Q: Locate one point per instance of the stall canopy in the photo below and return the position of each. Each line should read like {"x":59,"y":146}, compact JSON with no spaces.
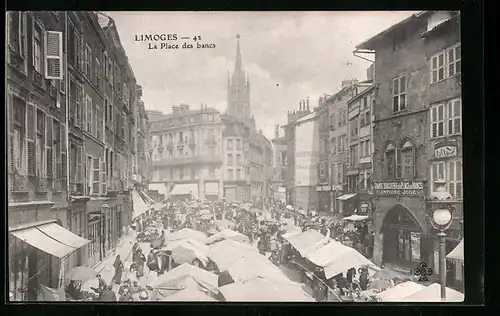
{"x":147,"y":198}
{"x":291,"y":231}
{"x":160,"y":187}
{"x":52,"y":239}
{"x":190,"y":295}
{"x":346,"y":197}
{"x":355,"y":218}
{"x":187,"y":233}
{"x":227,"y":252}
{"x":263,"y":290}
{"x":432,"y":293}
{"x":307,"y":241}
{"x":228,"y":234}
{"x":202,"y":277}
{"x":246,"y":269}
{"x":457,"y":254}
{"x":139,"y":206}
{"x":185,"y":189}
{"x":400,"y":291}
{"x":337,"y":258}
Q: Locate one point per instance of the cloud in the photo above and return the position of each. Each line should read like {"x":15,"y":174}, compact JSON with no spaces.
{"x":288,"y":56}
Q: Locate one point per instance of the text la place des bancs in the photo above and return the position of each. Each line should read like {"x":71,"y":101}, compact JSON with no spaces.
{"x":165,"y":41}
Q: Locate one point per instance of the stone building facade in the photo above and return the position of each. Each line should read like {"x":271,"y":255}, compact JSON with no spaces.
{"x":56,"y":106}
{"x":403,"y":138}
{"x":186,"y":153}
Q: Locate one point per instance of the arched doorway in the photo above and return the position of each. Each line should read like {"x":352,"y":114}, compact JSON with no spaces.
{"x":402,"y":235}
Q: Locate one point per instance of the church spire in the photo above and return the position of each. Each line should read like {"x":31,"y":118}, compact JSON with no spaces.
{"x":239,"y":74}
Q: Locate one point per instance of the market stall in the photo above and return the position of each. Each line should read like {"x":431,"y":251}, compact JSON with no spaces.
{"x":336,"y":258}
{"x":263,"y":290}
{"x":399,"y":292}
{"x":227,"y":252}
{"x":249,"y":268}
{"x":187,"y":233}
{"x":307,"y":241}
{"x":227,"y":234}
{"x":432,"y":293}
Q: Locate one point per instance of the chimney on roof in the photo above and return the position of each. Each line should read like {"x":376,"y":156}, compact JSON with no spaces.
{"x":175,"y":109}
{"x":307,"y":104}
{"x":276,"y":131}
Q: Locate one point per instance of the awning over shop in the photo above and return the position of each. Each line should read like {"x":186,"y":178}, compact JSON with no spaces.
{"x":147,"y":198}
{"x":457,"y":254}
{"x":212,"y":188}
{"x":160,"y":187}
{"x":63,"y":235}
{"x":355,"y":218}
{"x":185,"y":189}
{"x":346,"y":197}
{"x":59,"y":245}
{"x":139,"y":205}
{"x":337,"y":258}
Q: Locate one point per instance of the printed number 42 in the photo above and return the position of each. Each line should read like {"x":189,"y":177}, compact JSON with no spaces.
{"x":197,"y":38}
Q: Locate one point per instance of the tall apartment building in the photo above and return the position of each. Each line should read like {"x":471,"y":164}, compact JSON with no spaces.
{"x":56,"y":114}
{"x":247,"y":153}
{"x":141,"y":161}
{"x":187,"y":153}
{"x":417,"y":135}
{"x":280,"y":163}
{"x":360,"y":165}
{"x":336,"y":146}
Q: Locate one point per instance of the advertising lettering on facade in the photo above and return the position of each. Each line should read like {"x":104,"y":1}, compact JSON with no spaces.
{"x":306,"y":154}
{"x":403,"y":188}
{"x":445,"y":149}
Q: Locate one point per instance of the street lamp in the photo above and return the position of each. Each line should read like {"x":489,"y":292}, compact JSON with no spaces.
{"x":442,"y":209}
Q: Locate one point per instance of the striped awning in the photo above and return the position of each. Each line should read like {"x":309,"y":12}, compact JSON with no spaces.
{"x":457,"y":254}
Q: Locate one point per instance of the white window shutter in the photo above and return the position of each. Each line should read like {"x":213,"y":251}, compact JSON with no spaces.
{"x":53,"y":55}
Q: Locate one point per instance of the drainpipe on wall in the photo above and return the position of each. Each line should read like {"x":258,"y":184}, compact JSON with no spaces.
{"x":66,"y":97}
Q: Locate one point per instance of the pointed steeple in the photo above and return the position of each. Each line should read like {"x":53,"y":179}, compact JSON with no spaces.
{"x":238,"y":74}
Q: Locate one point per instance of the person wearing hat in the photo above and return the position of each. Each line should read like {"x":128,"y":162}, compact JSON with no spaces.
{"x":108,"y":295}
{"x":126,"y":296}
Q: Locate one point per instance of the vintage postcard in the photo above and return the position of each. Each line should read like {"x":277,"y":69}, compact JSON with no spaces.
{"x":235,"y":156}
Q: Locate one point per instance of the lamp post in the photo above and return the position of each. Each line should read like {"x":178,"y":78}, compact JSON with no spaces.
{"x":442,"y":209}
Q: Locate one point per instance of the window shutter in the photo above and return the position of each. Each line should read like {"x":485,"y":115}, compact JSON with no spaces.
{"x":103,"y":176}
{"x":78,"y":173}
{"x":53,"y":55}
{"x":30,"y":138}
{"x":48,"y":145}
{"x":11,"y":152}
{"x":85,"y":114}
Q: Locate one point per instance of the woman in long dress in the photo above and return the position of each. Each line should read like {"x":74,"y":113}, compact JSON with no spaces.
{"x":118,"y":265}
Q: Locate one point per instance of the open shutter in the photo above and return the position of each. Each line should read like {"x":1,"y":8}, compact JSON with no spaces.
{"x":49,"y":144}
{"x":53,"y":55}
{"x":30,"y":139}
{"x":103,"y":176}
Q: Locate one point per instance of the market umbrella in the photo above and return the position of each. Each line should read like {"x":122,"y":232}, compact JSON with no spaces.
{"x":182,"y":254}
{"x":81,"y":273}
{"x":379,"y":284}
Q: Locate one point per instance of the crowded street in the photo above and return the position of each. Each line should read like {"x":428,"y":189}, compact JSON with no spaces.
{"x":216,"y":163}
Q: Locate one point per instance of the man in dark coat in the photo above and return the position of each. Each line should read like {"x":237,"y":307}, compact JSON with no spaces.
{"x":108,"y":295}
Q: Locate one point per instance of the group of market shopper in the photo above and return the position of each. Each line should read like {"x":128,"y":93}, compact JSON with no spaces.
{"x":267,"y":233}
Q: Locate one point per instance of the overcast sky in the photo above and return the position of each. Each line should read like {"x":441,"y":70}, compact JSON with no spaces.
{"x":288,"y":55}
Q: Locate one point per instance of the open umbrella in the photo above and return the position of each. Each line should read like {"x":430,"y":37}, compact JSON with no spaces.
{"x":182,"y":255}
{"x":81,"y":273}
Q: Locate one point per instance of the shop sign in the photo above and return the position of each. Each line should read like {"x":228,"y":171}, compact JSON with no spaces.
{"x":336,"y":187}
{"x":322,"y":188}
{"x":445,"y":149}
{"x":403,"y":188}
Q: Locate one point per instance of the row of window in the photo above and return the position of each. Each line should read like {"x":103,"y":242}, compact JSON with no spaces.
{"x":237,"y":174}
{"x":180,"y":174}
{"x":159,"y":154}
{"x":176,"y":121}
{"x":443,"y":65}
{"x":237,"y":144}
{"x":361,"y":150}
{"x":237,"y":162}
{"x":338,"y":144}
{"x":342,"y":119}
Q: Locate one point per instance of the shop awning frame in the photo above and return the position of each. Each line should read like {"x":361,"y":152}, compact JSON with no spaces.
{"x":346,"y":197}
{"x":52,"y":239}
